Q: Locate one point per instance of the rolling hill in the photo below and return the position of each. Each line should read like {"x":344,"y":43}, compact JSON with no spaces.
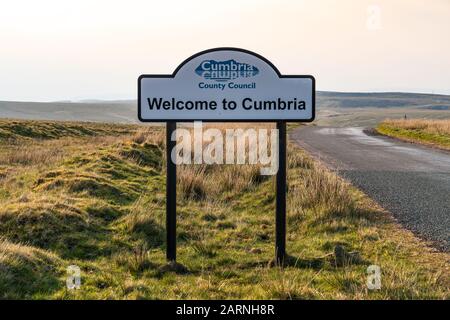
{"x":334,"y":108}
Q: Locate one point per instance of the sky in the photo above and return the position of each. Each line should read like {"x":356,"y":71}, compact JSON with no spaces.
{"x":96,"y":49}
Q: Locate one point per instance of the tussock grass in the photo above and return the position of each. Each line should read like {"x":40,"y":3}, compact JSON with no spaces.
{"x":44,"y":152}
{"x":25,"y":156}
{"x":102,"y":207}
{"x":199,"y":181}
{"x":41,"y":222}
{"x":441,"y":127}
{"x":31,"y":129}
{"x":431,"y":132}
{"x":26,"y":271}
{"x":145,"y":221}
{"x":323,"y":194}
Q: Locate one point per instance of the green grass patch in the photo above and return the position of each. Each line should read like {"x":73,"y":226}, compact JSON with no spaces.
{"x":103,"y":209}
{"x":418,"y":135}
{"x":27,"y":272}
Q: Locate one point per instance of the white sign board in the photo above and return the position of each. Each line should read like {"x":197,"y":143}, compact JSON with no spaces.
{"x":226,"y":84}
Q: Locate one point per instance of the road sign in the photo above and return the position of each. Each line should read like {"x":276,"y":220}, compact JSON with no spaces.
{"x":226,"y":84}
{"x":220,"y":85}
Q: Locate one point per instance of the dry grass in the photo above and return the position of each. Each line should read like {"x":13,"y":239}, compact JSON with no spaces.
{"x":198,"y":181}
{"x":26,"y":269}
{"x":26,"y":155}
{"x":440,"y":127}
{"x":13,"y":252}
{"x":431,"y":132}
{"x":322,"y":192}
{"x":46,"y":152}
{"x":105,"y":212}
{"x":149,"y":135}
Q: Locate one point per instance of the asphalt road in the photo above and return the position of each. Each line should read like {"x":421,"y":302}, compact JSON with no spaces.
{"x":411,"y":181}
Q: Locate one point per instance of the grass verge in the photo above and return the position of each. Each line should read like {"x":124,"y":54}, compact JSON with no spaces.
{"x":101,"y":207}
{"x":429,"y":132}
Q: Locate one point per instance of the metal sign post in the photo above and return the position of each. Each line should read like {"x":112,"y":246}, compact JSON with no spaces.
{"x":280,"y":215}
{"x":226,"y":85}
{"x":171,"y":195}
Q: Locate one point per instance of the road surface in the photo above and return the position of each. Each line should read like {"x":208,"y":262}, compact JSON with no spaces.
{"x":411,"y":181}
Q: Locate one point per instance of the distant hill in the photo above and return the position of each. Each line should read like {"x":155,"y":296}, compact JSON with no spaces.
{"x":124,"y":111}
{"x":382,"y":100}
{"x":98,"y":111}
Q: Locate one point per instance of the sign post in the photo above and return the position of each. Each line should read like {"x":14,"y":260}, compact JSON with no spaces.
{"x":280,"y":214}
{"x":226,"y":85}
{"x":171,"y":195}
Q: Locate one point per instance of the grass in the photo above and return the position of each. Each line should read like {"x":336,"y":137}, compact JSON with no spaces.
{"x":30,"y":129}
{"x":430,"y":132}
{"x":100,"y":205}
{"x":26,"y":271}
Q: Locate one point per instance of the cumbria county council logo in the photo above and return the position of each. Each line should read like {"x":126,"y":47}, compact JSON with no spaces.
{"x":223,"y":71}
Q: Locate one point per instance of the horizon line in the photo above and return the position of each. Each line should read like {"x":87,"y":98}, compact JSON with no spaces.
{"x":97,"y":100}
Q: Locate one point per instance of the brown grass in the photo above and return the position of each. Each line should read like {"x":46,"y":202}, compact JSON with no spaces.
{"x":434,"y":133}
{"x":30,"y":143}
{"x":441,"y":127}
{"x":225,"y":224}
{"x":45,"y":152}
{"x":14,"y":251}
{"x":323,"y":192}
{"x":149,"y":135}
{"x":197,"y":181}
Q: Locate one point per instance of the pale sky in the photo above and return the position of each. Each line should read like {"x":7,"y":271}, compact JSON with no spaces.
{"x":95,"y":49}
